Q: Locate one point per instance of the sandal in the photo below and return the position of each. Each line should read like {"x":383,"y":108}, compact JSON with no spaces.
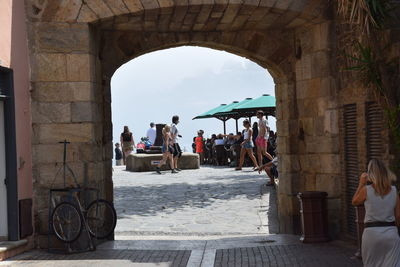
{"x":238,"y":169}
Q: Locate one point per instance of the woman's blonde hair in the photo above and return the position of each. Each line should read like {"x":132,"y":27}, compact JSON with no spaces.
{"x":380,"y":176}
{"x":166,"y":129}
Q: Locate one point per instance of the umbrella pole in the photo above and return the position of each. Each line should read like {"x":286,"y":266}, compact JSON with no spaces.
{"x":237,"y":128}
{"x":224,"y":126}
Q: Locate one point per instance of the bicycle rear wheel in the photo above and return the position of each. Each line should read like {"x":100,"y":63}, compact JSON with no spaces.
{"x":66,"y":220}
{"x":101,"y":218}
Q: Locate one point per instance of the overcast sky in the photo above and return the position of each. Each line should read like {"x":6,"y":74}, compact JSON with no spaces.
{"x":185,"y":81}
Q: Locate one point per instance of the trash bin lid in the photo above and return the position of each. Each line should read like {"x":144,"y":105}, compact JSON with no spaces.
{"x":312,"y":194}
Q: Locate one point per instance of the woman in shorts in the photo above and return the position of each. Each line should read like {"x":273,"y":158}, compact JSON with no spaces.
{"x":247,"y":146}
{"x":167,"y":150}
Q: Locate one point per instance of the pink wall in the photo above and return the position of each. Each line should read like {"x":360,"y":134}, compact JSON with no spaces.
{"x":14,"y":55}
{"x":20,"y":66}
{"x":5,"y":33}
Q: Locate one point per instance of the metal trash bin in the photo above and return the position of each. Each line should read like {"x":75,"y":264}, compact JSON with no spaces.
{"x":314,"y":219}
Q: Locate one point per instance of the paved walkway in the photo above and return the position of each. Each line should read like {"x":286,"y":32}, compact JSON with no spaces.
{"x":208,"y":201}
{"x":207,"y":217}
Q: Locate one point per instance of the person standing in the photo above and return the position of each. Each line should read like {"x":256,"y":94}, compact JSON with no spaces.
{"x":262,"y":138}
{"x":175,"y":135}
{"x":127,"y":143}
{"x":247,"y":146}
{"x":118,"y":155}
{"x":380,"y":245}
{"x":199,"y":141}
{"x":151,"y":133}
{"x":167,"y":150}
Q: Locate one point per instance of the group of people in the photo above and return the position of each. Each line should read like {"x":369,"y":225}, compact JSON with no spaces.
{"x":170,"y":146}
{"x":250,"y":140}
{"x":171,"y":150}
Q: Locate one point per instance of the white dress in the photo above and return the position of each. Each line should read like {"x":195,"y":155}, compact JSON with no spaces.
{"x":380,"y":245}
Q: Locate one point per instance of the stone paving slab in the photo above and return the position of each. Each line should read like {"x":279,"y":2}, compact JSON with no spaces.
{"x":114,"y":257}
{"x":306,"y":255}
{"x":207,"y":201}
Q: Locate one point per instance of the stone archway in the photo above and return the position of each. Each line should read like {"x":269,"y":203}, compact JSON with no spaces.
{"x":76,"y":46}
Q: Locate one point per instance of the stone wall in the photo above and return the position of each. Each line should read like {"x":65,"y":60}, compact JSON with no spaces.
{"x":76,"y":47}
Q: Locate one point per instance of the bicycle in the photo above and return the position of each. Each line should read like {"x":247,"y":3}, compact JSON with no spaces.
{"x":69,"y":217}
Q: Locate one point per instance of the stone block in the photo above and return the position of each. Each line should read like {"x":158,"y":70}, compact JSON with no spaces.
{"x":321,"y":36}
{"x":289,"y":162}
{"x":308,"y":126}
{"x":320,"y":64}
{"x":309,"y":181}
{"x":51,"y":112}
{"x":80,"y":68}
{"x":331,"y":122}
{"x":51,"y":153}
{"x":48,"y":67}
{"x":74,"y":132}
{"x":62,"y":91}
{"x":84,"y":112}
{"x":63,"y":37}
{"x":322,"y":144}
{"x":90,"y":152}
{"x":67,"y":11}
{"x":282,"y":127}
{"x":86,"y":15}
{"x":329,"y":183}
{"x":143,"y":162}
{"x":330,"y":164}
{"x":135,"y":6}
{"x":100,"y":8}
{"x":117,"y":6}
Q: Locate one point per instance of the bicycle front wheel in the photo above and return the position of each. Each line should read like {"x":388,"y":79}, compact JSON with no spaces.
{"x":101,"y":218}
{"x":66,"y":221}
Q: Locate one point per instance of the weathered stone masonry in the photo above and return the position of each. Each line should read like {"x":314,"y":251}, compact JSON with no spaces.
{"x":76,"y":46}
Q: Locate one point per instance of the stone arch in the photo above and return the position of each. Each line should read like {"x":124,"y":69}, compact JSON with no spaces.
{"x":76,"y":46}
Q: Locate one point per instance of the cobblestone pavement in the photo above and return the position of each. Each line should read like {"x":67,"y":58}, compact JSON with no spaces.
{"x":210,"y":200}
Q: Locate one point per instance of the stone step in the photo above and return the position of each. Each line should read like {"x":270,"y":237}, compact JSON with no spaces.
{"x":11,"y":248}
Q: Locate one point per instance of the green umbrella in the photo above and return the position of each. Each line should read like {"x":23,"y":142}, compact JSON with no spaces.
{"x":227,"y":111}
{"x":210,"y":113}
{"x":265,"y":102}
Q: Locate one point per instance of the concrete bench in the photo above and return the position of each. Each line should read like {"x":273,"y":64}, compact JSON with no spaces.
{"x":148,"y":162}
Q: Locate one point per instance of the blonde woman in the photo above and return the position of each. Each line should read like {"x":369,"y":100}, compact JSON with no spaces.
{"x":380,"y":239}
{"x":167,"y":150}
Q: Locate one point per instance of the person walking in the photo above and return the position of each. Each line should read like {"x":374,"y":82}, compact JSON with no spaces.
{"x":199,"y":141}
{"x":175,"y":135}
{"x":380,"y":240}
{"x":118,"y":155}
{"x":167,"y":150}
{"x":127,"y":143}
{"x":262,"y":138}
{"x":151,"y":133}
{"x":247,"y":146}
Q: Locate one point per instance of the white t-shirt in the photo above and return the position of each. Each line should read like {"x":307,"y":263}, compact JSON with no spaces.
{"x":175,"y":132}
{"x":264,"y":123}
{"x":151,"y":134}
